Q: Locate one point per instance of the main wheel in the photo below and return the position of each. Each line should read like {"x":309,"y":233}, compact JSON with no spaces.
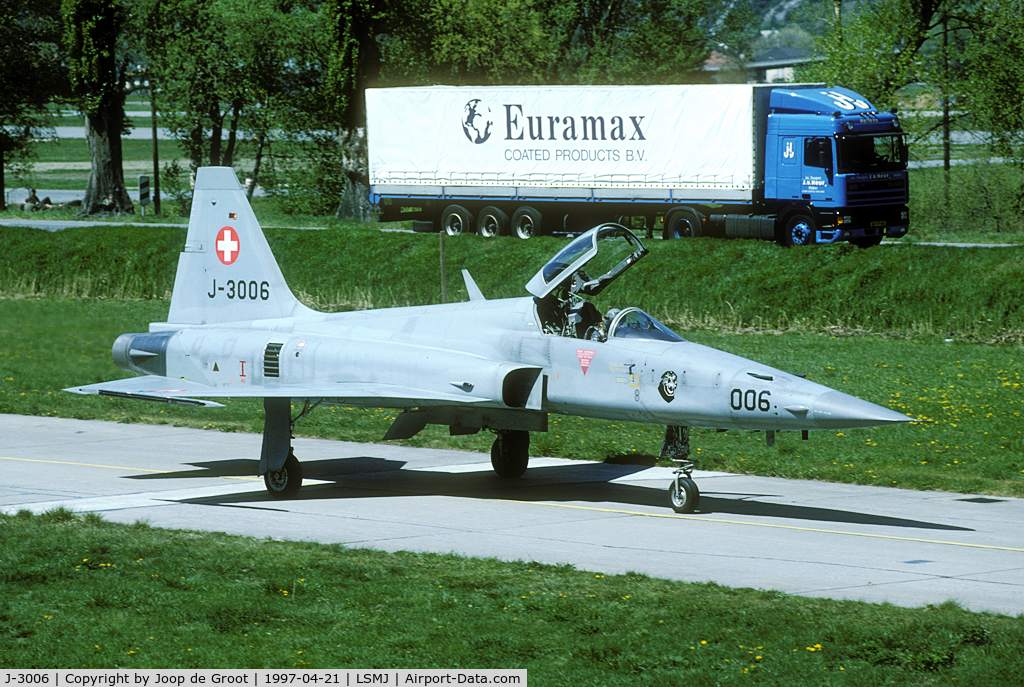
{"x":681,"y":223}
{"x":491,"y":222}
{"x":683,"y":495}
{"x":526,"y":222}
{"x":510,"y":453}
{"x":286,"y":482}
{"x":456,"y":220}
{"x":799,"y":230}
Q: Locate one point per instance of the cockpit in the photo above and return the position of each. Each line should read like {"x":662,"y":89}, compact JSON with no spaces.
{"x":634,"y":323}
{"x":562,"y":287}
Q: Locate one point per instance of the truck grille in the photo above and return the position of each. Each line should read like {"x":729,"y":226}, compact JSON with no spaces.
{"x":876,"y":191}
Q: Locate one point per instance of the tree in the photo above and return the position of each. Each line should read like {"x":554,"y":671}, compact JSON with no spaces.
{"x":648,"y":41}
{"x":193,"y":64}
{"x":98,"y":58}
{"x":874,"y":51}
{"x":486,"y":42}
{"x":561,"y":41}
{"x":30,"y":77}
{"x":994,"y":92}
{"x":969,"y":54}
{"x":235,"y":70}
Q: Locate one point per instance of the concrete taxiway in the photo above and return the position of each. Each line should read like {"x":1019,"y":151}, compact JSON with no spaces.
{"x":805,"y":538}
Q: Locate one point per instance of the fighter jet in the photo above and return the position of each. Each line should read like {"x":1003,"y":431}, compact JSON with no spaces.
{"x":235,"y":329}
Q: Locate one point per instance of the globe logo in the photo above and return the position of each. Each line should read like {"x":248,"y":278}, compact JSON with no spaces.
{"x":476,"y":121}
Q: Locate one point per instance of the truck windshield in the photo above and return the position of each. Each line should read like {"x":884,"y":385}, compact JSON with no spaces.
{"x":872,"y":153}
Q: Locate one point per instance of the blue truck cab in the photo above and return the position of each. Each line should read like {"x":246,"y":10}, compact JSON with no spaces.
{"x":835,"y":168}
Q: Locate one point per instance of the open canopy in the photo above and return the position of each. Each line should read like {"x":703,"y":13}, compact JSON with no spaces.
{"x":607,"y":250}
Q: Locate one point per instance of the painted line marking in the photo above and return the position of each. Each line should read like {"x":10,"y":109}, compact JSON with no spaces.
{"x":84,"y":465}
{"x":679,"y":516}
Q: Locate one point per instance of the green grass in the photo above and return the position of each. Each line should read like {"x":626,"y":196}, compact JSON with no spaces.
{"x":905,"y":290}
{"x":978,"y":203}
{"x":85,"y":593}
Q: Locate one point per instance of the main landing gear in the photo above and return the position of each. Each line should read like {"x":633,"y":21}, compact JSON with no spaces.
{"x":683,"y":495}
{"x":510,"y":453}
{"x":286,"y":482}
{"x":510,"y":456}
{"x":283,"y":478}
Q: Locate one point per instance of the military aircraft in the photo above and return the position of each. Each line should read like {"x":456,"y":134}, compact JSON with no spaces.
{"x":234,"y":329}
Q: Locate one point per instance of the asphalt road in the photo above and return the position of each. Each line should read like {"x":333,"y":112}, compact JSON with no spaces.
{"x":804,"y":538}
{"x":59,"y":225}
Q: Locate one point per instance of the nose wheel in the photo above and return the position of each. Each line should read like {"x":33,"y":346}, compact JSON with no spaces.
{"x":683,"y":494}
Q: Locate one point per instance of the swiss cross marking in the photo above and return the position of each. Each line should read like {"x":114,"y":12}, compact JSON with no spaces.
{"x":227,"y":246}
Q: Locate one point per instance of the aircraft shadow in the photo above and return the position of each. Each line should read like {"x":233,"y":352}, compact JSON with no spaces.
{"x":366,"y":477}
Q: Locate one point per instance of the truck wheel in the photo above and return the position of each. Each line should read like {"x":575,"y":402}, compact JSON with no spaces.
{"x":682,"y":223}
{"x":491,"y":222}
{"x":456,"y":220}
{"x":867,"y":241}
{"x":526,"y":222}
{"x":799,"y":230}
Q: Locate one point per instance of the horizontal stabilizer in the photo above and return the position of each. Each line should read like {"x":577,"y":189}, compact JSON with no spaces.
{"x":173,"y":400}
{"x":180,"y":392}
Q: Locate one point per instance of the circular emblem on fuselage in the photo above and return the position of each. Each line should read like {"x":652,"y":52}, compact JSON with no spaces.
{"x":667,"y":387}
{"x":227,"y":245}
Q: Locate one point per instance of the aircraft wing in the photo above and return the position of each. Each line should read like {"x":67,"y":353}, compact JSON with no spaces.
{"x":181,"y":392}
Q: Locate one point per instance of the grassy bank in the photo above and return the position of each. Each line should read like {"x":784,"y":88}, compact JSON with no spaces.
{"x":976,"y":202}
{"x":84,"y":593}
{"x":904,"y":289}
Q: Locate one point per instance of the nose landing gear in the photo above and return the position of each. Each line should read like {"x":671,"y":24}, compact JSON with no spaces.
{"x":683,"y":495}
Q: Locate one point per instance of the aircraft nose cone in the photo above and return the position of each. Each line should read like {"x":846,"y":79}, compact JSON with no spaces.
{"x":836,"y":410}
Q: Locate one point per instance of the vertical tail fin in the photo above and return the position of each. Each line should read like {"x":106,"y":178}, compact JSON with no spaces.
{"x":227,"y":272}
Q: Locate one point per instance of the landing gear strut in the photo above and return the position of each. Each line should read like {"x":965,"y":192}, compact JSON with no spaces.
{"x":683,"y":495}
{"x":281,"y":470}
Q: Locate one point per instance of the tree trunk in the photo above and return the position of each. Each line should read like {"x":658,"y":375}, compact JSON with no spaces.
{"x":256,"y":168}
{"x":355,"y":197}
{"x":195,"y":146}
{"x":105,"y":191}
{"x":3,"y":183}
{"x":355,"y":202}
{"x":216,"y":137}
{"x":229,"y":155}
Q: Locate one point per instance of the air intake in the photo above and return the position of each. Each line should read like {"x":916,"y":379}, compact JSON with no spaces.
{"x":272,"y":360}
